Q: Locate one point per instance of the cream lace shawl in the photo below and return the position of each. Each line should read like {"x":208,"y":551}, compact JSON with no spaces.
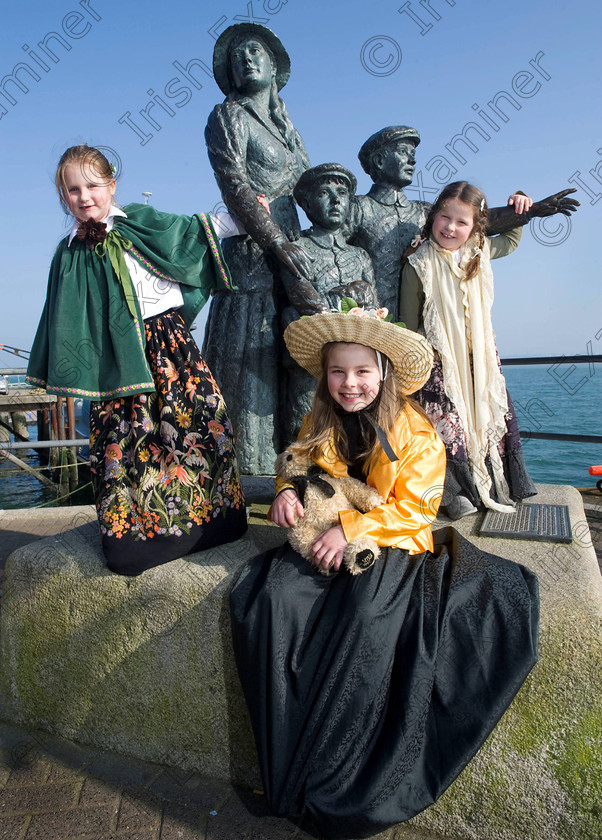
{"x":457,"y":322}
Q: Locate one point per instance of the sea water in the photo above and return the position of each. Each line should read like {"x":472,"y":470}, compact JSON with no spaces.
{"x":557,"y":398}
{"x":19,"y":489}
{"x":562,"y":398}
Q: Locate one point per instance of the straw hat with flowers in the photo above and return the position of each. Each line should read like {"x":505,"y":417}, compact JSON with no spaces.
{"x":410,"y":353}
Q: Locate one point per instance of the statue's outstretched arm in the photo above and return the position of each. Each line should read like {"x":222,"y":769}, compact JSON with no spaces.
{"x":503,"y":219}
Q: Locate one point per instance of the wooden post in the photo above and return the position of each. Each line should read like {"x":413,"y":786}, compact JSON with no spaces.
{"x":43,"y":419}
{"x":73,"y":470}
{"x":20,"y":425}
{"x":71,"y":419}
{"x":5,"y":427}
{"x":63,"y":471}
{"x":60,"y":417}
{"x":54,"y":424}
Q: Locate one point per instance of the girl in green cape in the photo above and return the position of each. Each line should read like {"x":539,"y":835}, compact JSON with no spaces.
{"x":124,"y":287}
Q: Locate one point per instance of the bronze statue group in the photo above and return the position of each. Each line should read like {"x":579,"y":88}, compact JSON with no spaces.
{"x":368,"y":693}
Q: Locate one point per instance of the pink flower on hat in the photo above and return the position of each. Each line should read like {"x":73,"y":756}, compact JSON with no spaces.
{"x":369,"y":313}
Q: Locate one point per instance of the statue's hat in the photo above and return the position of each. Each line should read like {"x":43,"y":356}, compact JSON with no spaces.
{"x":235,"y":33}
{"x":390,"y":134}
{"x":313,"y":176}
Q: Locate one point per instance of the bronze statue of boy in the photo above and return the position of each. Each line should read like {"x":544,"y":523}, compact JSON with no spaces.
{"x":338,"y":270}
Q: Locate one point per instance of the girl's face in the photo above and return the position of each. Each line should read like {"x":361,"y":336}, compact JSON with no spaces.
{"x":453,"y":224}
{"x":88,"y":196}
{"x":353,"y":376}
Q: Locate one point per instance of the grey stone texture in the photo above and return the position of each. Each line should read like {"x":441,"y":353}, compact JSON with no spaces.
{"x":143,"y":666}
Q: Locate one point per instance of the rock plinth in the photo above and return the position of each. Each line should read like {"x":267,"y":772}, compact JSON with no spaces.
{"x":139,"y":665}
{"x":144,"y":666}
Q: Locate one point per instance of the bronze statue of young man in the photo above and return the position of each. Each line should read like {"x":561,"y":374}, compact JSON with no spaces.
{"x":385,"y":221}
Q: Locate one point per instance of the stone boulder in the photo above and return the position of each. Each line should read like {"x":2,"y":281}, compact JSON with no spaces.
{"x":539,"y":775}
{"x":144,"y":666}
{"x":139,"y":665}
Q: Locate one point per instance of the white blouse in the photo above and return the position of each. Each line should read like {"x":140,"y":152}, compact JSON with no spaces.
{"x":156,"y":295}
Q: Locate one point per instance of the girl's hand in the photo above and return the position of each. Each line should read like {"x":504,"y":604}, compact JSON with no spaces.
{"x":328,"y":549}
{"x":521,"y":202}
{"x":264,"y":202}
{"x":286,"y":508}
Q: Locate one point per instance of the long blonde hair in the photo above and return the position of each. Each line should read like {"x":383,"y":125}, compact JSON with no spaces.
{"x":327,"y":423}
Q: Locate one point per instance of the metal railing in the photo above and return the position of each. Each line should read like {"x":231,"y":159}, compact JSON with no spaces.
{"x":552,"y":360}
{"x":44,"y":444}
{"x":560,"y":436}
{"x":589,"y":359}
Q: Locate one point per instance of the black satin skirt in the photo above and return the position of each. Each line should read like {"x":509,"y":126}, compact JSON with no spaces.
{"x":368,"y":695}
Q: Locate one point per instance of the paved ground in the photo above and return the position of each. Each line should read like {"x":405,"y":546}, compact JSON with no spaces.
{"x":51,"y":789}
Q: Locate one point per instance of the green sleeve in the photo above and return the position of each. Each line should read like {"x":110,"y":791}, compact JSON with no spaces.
{"x":37,"y":367}
{"x":411,"y":299}
{"x":181,"y":248}
{"x":505,"y":243}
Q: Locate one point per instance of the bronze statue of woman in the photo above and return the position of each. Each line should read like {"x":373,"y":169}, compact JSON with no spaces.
{"x":254,"y":149}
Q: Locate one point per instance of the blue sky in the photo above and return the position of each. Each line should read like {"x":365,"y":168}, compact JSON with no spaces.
{"x":356,"y":67}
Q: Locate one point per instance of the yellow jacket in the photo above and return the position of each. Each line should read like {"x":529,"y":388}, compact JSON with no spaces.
{"x":412,"y":486}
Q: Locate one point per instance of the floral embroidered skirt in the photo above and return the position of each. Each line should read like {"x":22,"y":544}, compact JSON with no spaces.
{"x":446,"y":420}
{"x":163,"y":465}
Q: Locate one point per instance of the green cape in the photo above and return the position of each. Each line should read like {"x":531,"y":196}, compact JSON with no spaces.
{"x":89,"y":343}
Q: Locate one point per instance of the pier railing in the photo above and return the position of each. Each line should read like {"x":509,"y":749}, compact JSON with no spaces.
{"x":73,"y":441}
{"x":22,"y":397}
{"x":552,"y":360}
{"x":56,"y":432}
{"x":582,"y":359}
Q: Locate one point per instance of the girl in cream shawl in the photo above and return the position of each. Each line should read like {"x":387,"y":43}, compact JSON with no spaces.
{"x":447,"y":294}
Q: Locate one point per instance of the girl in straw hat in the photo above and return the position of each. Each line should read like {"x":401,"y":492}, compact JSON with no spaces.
{"x":368,"y":694}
